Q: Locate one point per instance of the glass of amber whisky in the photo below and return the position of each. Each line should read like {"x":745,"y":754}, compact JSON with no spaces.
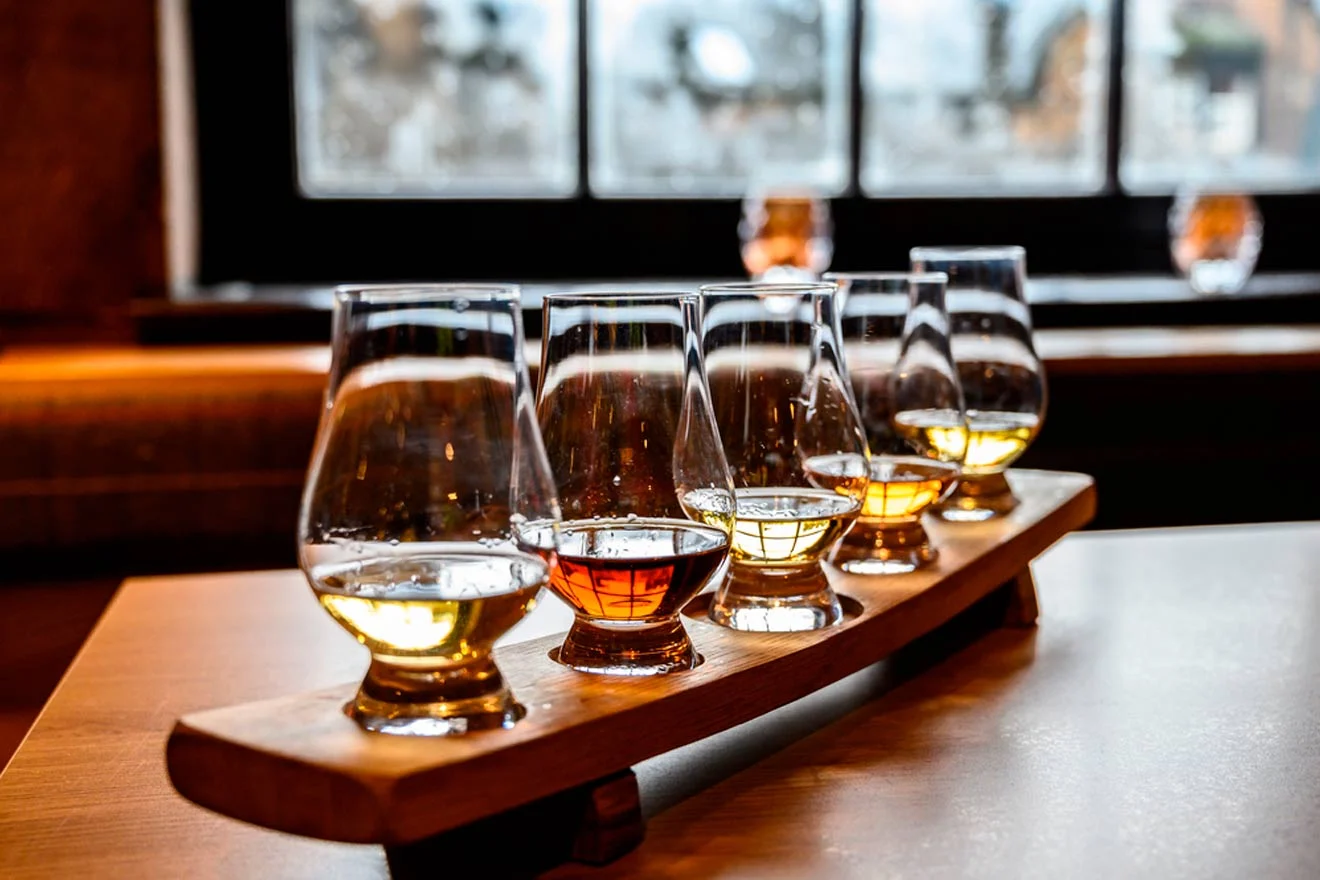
{"x":1215,"y":238}
{"x":786,"y":234}
{"x":896,"y":347}
{"x":636,"y":458}
{"x":1003,"y":380}
{"x":794,"y":440}
{"x":427,"y":470}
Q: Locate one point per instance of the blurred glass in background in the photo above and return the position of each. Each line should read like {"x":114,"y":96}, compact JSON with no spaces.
{"x":786,"y":234}
{"x":702,"y":97}
{"x":436,"y":97}
{"x":984,"y":96}
{"x":1226,"y":91}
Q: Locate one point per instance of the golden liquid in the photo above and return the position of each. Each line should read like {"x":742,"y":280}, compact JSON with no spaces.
{"x":902,"y":487}
{"x":782,"y":526}
{"x":641,"y":569}
{"x":450,"y":606}
{"x":988,"y":443}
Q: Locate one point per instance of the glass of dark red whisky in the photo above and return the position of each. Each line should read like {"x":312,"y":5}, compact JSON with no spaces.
{"x":633,"y":447}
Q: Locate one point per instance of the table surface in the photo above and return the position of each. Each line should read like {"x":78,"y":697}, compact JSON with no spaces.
{"x":1162,"y":721}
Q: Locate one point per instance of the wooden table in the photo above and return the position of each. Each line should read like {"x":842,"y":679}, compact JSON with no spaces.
{"x":1163,"y":721}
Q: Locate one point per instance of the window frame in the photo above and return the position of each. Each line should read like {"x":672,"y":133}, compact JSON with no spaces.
{"x":257,"y":226}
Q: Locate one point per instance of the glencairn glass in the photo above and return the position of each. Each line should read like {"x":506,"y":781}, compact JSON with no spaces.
{"x":896,"y":347}
{"x":647,"y":496}
{"x":1003,"y":380}
{"x":794,"y":441}
{"x":427,"y":464}
{"x":786,"y":234}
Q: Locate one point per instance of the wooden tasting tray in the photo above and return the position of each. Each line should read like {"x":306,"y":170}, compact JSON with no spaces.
{"x":298,"y":764}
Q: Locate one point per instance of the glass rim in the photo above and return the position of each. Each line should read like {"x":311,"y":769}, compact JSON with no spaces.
{"x":593,"y":297}
{"x":909,"y":277}
{"x":968,"y":252}
{"x":754,"y":287}
{"x":439,"y":292}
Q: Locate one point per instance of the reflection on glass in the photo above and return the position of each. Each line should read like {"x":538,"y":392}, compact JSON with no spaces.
{"x":435,"y":97}
{"x":984,"y":95}
{"x":1227,"y":90}
{"x":702,"y":97}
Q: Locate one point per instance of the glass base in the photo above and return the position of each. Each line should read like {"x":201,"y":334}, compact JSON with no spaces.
{"x":451,"y":701}
{"x":760,"y":600}
{"x":884,"y":548}
{"x":978,"y":498}
{"x":627,"y":648}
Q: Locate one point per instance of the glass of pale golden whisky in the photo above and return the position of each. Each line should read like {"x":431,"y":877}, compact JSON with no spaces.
{"x":647,"y":495}
{"x":786,"y":235}
{"x":794,"y":440}
{"x":1003,"y":380}
{"x":896,"y":347}
{"x":428,"y":474}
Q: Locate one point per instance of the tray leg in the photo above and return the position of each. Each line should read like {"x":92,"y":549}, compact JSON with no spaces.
{"x":594,"y":823}
{"x":1022,"y":608}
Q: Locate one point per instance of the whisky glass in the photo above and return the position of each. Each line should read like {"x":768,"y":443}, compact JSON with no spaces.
{"x":896,"y":347}
{"x":427,"y":466}
{"x":786,"y":235}
{"x":794,"y":440}
{"x":636,"y":458}
{"x":1003,"y":381}
{"x":1214,"y":238}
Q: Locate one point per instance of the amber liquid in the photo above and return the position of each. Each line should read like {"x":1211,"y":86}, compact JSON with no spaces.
{"x":789,"y":234}
{"x":635,"y":569}
{"x":987,"y":443}
{"x":902,"y":487}
{"x":432,"y":604}
{"x":783,"y":527}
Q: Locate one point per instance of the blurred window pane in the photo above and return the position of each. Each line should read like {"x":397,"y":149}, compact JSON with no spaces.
{"x":984,"y":96}
{"x":1228,"y":89}
{"x":436,"y":97}
{"x":711,"y":97}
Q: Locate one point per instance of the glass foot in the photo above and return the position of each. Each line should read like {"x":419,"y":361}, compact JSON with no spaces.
{"x":627,"y":648}
{"x":884,"y":548}
{"x":978,"y":498}
{"x":757,"y":600}
{"x":450,"y":701}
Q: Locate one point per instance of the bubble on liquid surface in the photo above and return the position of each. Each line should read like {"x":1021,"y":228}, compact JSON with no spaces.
{"x":460,"y":305}
{"x":617,"y":480}
{"x":632,"y":517}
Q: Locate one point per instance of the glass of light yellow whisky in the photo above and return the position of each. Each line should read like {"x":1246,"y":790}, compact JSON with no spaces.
{"x":794,"y":441}
{"x":428,"y":474}
{"x":636,"y":458}
{"x":896,"y":347}
{"x":1003,"y":380}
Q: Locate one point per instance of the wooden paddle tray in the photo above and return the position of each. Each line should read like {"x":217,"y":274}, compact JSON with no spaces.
{"x":298,"y":764}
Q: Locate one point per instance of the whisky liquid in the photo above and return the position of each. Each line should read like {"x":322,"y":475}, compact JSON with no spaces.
{"x":783,"y":526}
{"x":441,"y":604}
{"x":902,"y":487}
{"x":988,"y":443}
{"x":635,"y":569}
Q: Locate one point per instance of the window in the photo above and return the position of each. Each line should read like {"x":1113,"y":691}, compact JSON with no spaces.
{"x":592,"y":139}
{"x":969,"y":96}
{"x":1226,"y":90}
{"x":458,"y":98}
{"x":709,"y":97}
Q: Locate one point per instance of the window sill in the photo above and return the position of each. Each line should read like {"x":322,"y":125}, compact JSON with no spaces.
{"x":243,"y":313}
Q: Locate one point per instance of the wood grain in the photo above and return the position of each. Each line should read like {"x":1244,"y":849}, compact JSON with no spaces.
{"x":1163,"y":721}
{"x":1160,"y":722}
{"x":297,"y":764}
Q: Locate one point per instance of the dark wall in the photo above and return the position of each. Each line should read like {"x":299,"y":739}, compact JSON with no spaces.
{"x":80,"y":170}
